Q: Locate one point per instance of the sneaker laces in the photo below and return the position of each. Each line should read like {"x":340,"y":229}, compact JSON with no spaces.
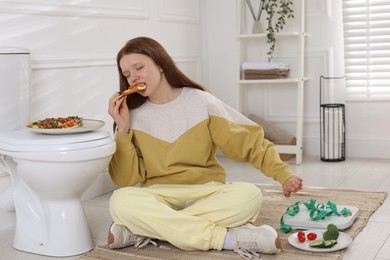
{"x":128,"y":238}
{"x":246,"y":253}
{"x":141,"y":242}
{"x":247,"y":246}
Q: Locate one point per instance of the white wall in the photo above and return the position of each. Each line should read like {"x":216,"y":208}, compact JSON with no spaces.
{"x":73,"y":50}
{"x":367,"y":124}
{"x":220,"y":44}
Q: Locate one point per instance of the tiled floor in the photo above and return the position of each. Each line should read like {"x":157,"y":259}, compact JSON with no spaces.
{"x":364,"y":174}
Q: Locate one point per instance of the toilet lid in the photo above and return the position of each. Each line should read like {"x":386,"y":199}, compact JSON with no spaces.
{"x":24,"y":140}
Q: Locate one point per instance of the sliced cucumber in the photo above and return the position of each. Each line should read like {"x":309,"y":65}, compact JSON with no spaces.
{"x":317,"y":243}
{"x":323,"y":243}
{"x":328,"y":244}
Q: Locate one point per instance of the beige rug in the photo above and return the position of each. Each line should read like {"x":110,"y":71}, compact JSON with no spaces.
{"x":274,"y":206}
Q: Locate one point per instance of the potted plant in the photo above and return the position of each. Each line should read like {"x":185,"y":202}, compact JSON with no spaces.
{"x":277,"y":12}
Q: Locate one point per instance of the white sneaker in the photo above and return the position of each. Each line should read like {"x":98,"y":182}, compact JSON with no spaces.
{"x":248,"y":240}
{"x":120,"y":236}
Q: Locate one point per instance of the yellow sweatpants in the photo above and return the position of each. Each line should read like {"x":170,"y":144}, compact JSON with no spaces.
{"x":190,"y":217}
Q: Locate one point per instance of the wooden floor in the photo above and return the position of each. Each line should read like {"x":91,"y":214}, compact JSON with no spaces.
{"x":362,"y":174}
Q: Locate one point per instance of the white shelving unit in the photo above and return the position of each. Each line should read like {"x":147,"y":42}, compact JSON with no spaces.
{"x":298,"y":81}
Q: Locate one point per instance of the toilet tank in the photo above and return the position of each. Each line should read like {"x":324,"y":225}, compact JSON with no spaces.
{"x":15,"y":87}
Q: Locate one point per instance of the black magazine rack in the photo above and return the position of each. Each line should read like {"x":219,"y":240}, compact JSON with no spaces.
{"x":332,"y":128}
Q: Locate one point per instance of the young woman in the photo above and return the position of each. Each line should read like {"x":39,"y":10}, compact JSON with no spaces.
{"x":167,"y":136}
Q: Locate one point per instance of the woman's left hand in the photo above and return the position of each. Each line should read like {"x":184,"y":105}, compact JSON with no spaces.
{"x":292,"y":184}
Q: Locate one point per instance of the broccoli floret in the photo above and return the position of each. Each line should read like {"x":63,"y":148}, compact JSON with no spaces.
{"x":332,"y":233}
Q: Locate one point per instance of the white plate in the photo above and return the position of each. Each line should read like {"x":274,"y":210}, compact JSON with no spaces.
{"x":88,"y":125}
{"x":342,"y":242}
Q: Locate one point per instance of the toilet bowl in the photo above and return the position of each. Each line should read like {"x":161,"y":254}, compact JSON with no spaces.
{"x":49,"y":173}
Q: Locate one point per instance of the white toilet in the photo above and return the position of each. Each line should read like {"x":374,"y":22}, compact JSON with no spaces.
{"x":49,"y":173}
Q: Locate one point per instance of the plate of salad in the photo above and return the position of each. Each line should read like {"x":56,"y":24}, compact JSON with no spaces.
{"x":320,"y":240}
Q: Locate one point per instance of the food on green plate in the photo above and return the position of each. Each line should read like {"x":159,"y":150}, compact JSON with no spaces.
{"x":331,"y":233}
{"x":58,"y":122}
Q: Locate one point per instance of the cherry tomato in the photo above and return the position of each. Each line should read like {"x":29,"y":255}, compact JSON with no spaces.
{"x":301,"y":236}
{"x":311,"y":236}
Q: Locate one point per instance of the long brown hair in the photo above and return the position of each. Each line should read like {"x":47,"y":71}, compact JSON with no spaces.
{"x":152,"y":49}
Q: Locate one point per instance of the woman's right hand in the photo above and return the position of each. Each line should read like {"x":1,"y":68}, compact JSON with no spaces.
{"x":118,"y":110}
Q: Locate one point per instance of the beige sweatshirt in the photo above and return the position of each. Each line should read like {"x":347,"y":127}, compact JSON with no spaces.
{"x":176,"y":143}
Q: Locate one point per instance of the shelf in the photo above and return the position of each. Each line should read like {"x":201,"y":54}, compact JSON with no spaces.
{"x":270,"y":81}
{"x":247,"y":50}
{"x":289,"y":149}
{"x":264,"y":35}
